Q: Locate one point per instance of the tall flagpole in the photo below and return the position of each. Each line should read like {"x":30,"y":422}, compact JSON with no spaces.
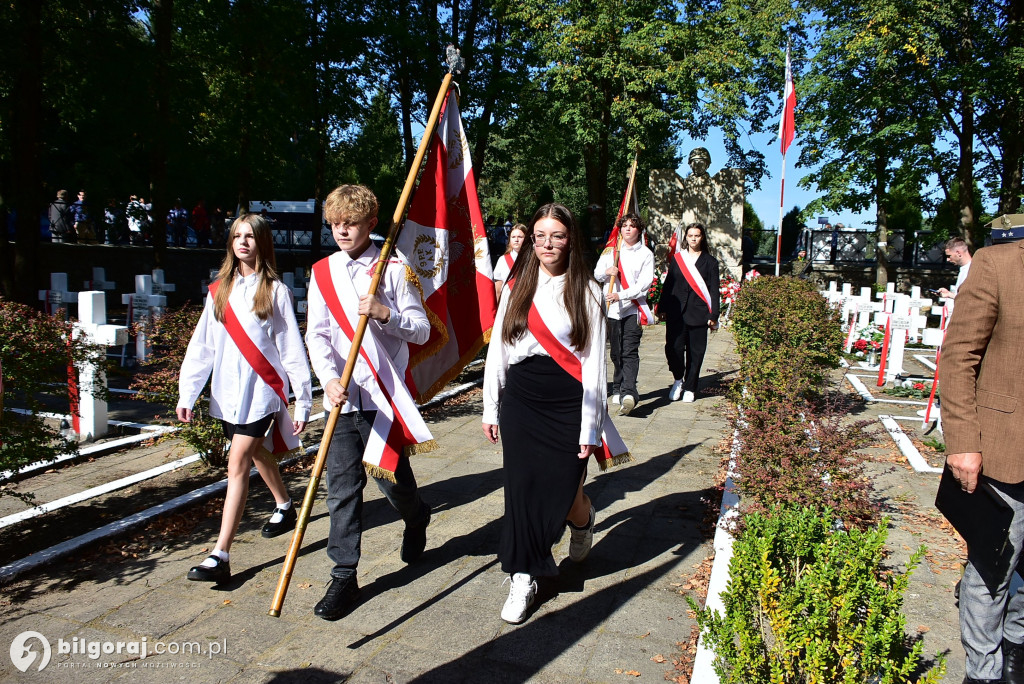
{"x":618,"y":243}
{"x":357,"y":340}
{"x":778,"y":236}
{"x":786,"y":133}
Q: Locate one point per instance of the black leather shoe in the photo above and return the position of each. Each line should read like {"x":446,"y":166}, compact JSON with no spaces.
{"x":414,"y":540}
{"x":287,"y":524}
{"x":340,"y":598}
{"x":1013,"y":662}
{"x":218,"y":574}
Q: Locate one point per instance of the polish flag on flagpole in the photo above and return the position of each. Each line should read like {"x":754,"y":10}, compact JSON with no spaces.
{"x":787,"y":131}
{"x":629,"y":205}
{"x":787,"y":125}
{"x":445,"y":244}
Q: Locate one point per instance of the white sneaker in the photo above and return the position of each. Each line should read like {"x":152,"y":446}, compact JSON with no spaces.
{"x":580,"y":541}
{"x":676,"y":391}
{"x":614,"y":399}
{"x":520,"y":597}
{"x":628,"y":404}
{"x":687,"y":397}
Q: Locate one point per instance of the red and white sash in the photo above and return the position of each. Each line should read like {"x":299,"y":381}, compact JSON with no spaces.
{"x":259,"y":350}
{"x":509,"y":260}
{"x":643,"y":312}
{"x":694,"y":278}
{"x":612,"y":449}
{"x":398,"y":423}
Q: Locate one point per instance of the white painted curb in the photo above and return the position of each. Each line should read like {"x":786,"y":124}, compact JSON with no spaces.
{"x":703,"y":668}
{"x":914,"y":457}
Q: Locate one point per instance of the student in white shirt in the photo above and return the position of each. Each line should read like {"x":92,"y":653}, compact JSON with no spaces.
{"x":551,"y":422}
{"x":627,"y":307}
{"x":249,"y":386}
{"x":396,"y":319}
{"x":516,"y":236}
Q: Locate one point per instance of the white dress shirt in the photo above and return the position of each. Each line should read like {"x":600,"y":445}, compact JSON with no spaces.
{"x":500,"y":356}
{"x":638,"y":264}
{"x":961,"y":276}
{"x":408,"y":322}
{"x":501,"y":269}
{"x":237,"y":393}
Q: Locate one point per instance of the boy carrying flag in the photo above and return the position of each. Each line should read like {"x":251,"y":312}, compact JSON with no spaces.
{"x":378,"y":416}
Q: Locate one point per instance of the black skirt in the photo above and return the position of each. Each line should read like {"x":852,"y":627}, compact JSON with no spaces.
{"x":541,"y":412}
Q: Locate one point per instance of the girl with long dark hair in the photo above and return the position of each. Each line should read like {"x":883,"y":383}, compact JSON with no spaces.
{"x":544,"y":385}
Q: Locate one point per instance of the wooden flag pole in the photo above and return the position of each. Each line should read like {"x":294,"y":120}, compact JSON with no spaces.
{"x":353,"y":354}
{"x":618,"y":242}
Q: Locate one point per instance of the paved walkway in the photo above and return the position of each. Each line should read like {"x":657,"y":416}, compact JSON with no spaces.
{"x":605,"y":620}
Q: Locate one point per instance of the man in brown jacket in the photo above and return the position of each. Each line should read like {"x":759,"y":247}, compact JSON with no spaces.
{"x":982,"y":379}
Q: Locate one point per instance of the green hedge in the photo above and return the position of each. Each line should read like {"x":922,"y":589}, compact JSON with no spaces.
{"x":808,"y":604}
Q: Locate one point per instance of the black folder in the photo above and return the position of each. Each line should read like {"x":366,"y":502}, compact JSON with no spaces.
{"x":982,"y":518}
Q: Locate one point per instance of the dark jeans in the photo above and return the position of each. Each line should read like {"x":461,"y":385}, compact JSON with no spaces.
{"x":624,"y":336}
{"x":685,"y":346}
{"x":346,"y":478}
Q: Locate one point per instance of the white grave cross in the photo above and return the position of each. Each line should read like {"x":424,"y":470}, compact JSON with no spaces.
{"x":159,"y":286}
{"x":92,"y":312}
{"x":142,"y":305}
{"x":99,"y":280}
{"x":900,"y":321}
{"x":57,"y":298}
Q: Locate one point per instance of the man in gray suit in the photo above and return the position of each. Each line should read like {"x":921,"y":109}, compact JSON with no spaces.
{"x":981,"y":378}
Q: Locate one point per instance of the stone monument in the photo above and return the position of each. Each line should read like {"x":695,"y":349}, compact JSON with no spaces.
{"x":715,"y":201}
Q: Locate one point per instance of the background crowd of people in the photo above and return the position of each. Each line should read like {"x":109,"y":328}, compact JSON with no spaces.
{"x":132,"y":222}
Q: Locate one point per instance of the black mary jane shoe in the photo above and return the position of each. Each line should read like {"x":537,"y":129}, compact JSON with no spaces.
{"x":287,"y":524}
{"x":218,"y":574}
{"x":342,"y":595}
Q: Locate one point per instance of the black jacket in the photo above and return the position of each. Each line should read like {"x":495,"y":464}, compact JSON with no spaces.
{"x":680,"y":301}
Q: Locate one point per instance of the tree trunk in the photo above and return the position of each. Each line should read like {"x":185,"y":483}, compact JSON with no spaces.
{"x":26,"y":182}
{"x":596,"y":159}
{"x":965,"y":169}
{"x":1012,"y":119}
{"x":882,"y":223}
{"x":483,"y":126}
{"x":163,"y":26}
{"x":319,"y":126}
{"x":405,"y":107}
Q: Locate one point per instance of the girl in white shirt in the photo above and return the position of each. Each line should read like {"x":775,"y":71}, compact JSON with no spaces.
{"x":516,"y":236}
{"x":550,"y":416}
{"x":250,"y":384}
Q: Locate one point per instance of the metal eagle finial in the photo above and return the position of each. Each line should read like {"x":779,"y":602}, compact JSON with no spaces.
{"x":454,"y":59}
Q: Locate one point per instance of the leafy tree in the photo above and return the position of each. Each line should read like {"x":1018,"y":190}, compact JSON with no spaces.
{"x":862,"y":141}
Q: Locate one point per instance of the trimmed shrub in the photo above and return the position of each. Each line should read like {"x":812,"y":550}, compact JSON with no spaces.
{"x":35,"y":350}
{"x":779,"y":323}
{"x":808,"y":604}
{"x":169,"y":335}
{"x":800,"y":454}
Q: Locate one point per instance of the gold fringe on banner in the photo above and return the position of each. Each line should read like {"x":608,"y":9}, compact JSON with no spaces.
{"x":421,"y":448}
{"x":615,"y":461}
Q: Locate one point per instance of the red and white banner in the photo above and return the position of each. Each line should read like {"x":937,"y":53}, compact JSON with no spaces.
{"x":259,"y":350}
{"x":694,"y":278}
{"x":398,"y":423}
{"x":445,"y":244}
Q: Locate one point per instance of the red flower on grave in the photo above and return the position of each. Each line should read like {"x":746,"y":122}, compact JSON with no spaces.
{"x":875,"y":344}
{"x":919,"y":386}
{"x":860,"y":345}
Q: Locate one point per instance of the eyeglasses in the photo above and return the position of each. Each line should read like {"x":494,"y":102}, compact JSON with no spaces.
{"x":557,"y":239}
